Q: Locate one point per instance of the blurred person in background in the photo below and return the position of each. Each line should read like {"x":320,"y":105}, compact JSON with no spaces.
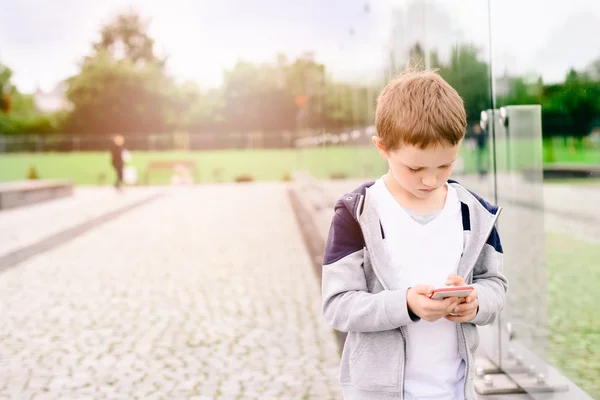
{"x":481,"y":149}
{"x":117,"y":159}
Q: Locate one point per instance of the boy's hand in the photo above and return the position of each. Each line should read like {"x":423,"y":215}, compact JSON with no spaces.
{"x":467,"y":309}
{"x":430,"y":310}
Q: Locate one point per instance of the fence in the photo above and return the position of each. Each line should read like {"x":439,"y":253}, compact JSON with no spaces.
{"x":160,"y":141}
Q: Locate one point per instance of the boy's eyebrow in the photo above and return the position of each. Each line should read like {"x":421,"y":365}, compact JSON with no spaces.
{"x":443,"y":165}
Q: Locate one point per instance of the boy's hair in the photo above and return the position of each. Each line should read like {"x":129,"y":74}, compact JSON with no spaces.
{"x":419,"y":108}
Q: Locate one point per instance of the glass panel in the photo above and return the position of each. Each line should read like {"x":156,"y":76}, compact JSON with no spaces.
{"x":520,"y":193}
{"x":441,"y":34}
{"x":547,"y":79}
{"x":454,"y":38}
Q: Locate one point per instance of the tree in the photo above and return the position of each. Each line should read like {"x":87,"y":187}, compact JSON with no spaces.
{"x":6,"y":89}
{"x":306,"y":80}
{"x":571,"y":108}
{"x":126,"y":38}
{"x":275,"y":96}
{"x":18,"y":112}
{"x":470,"y":77}
{"x":110,"y":96}
{"x":122,"y":87}
{"x":255,"y":99}
{"x":521,"y":91}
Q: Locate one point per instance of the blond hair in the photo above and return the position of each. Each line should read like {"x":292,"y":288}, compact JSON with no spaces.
{"x":419,"y":108}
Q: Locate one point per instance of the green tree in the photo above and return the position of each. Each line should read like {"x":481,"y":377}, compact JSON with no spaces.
{"x":255,"y":98}
{"x":110,"y":96}
{"x":6,"y":89}
{"x":570,"y":108}
{"x":521,"y":91}
{"x":469,"y":75}
{"x":18,"y":112}
{"x":306,"y":80}
{"x":122,"y":87}
{"x":275,"y":96}
{"x":126,"y":38}
{"x":464,"y":70}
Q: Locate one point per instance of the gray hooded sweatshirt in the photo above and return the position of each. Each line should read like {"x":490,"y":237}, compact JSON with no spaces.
{"x":361,"y":297}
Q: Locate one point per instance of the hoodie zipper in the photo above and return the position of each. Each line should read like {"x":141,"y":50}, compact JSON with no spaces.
{"x":462,"y":329}
{"x":358,"y":209}
{"x":383,"y":284}
{"x":402,"y":362}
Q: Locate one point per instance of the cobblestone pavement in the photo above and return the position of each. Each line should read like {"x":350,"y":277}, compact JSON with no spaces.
{"x":27,"y":225}
{"x":205,"y":293}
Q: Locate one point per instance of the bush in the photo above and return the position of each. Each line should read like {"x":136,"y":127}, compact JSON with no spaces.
{"x":32,"y":173}
{"x":244,"y":178}
{"x":337,"y":175}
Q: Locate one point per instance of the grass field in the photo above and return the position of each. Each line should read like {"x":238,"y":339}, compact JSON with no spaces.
{"x":92,"y":168}
{"x":217,"y":165}
{"x":566,"y":150}
{"x":573,"y":314}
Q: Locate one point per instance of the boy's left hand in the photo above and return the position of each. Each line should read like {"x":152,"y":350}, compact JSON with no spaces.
{"x":467,"y":310}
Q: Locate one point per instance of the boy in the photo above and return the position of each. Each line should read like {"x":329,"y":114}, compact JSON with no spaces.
{"x":392,"y":241}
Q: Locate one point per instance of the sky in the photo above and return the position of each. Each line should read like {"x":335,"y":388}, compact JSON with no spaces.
{"x":43,"y":44}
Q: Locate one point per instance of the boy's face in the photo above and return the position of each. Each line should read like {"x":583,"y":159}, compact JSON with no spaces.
{"x":420,"y":172}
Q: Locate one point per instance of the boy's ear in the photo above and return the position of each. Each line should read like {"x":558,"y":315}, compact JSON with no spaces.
{"x":379,"y":146}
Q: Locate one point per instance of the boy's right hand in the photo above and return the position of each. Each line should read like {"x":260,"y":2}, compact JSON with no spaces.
{"x":418,"y":301}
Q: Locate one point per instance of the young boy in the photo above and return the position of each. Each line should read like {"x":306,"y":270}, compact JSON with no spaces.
{"x":393,"y":240}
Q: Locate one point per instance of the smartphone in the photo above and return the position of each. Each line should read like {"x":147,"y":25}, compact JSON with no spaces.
{"x":451,"y":291}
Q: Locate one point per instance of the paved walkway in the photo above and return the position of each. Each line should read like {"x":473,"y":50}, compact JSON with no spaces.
{"x":24,"y":226}
{"x":204,"y":293}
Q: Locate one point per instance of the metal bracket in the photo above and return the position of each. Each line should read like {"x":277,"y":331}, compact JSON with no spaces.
{"x":537,"y":383}
{"x":496,"y":384}
{"x":483,"y":366}
{"x":515,"y":364}
{"x":490,"y":379}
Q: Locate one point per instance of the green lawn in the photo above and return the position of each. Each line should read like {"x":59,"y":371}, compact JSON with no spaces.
{"x":559,"y":149}
{"x":573,"y":309}
{"x":261,"y":164}
{"x":574,"y":181}
{"x":217,"y":165}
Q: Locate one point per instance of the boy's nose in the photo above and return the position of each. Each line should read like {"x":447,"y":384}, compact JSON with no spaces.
{"x":429,"y":181}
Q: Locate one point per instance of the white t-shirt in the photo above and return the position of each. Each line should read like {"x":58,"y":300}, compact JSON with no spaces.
{"x":426,"y":252}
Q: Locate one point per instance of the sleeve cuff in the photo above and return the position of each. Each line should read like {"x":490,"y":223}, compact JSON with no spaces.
{"x":396,"y":308}
{"x":484,"y":313}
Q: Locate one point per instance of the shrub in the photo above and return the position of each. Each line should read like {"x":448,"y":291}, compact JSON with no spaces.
{"x":244,"y":178}
{"x":32,"y":173}
{"x":337,"y":175}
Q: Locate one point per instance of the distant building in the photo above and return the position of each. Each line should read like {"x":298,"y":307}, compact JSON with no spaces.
{"x":52,"y":101}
